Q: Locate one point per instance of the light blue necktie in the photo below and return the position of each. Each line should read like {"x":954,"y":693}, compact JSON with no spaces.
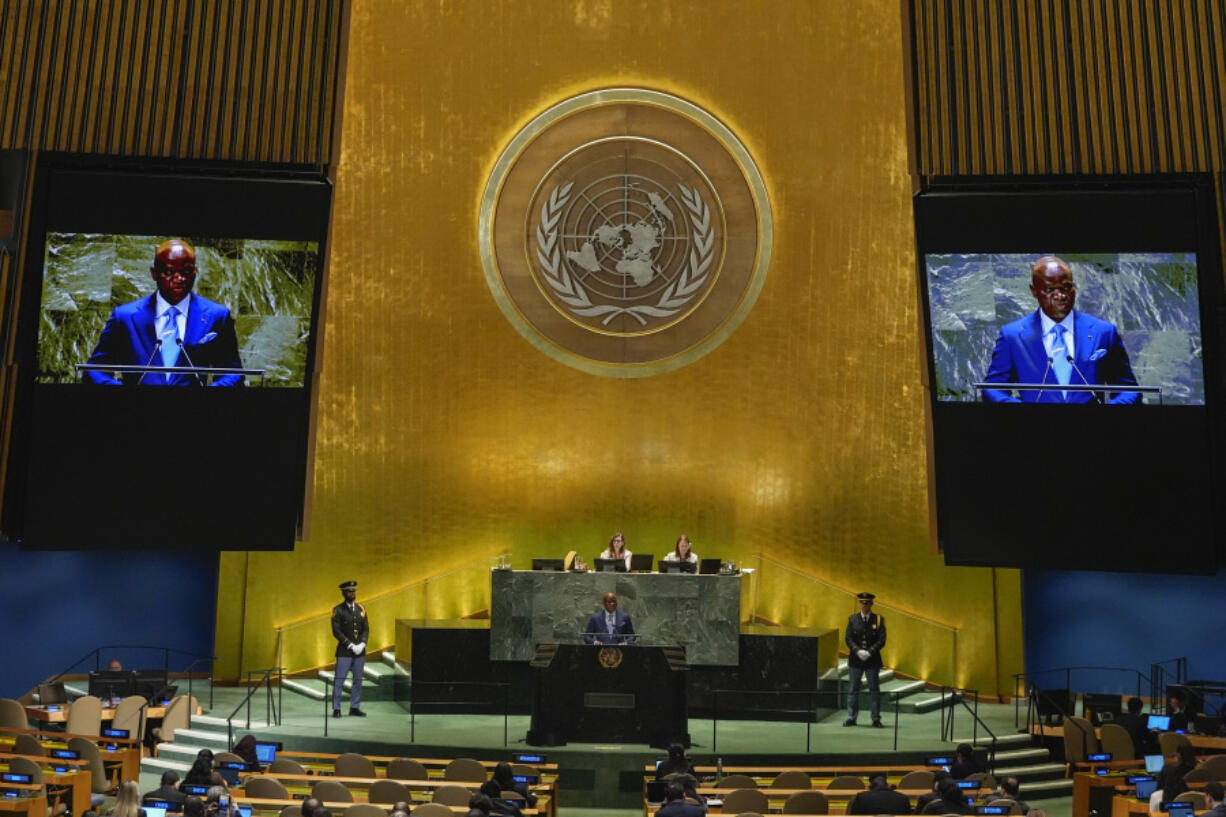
{"x":170,"y":338}
{"x":1059,"y":357}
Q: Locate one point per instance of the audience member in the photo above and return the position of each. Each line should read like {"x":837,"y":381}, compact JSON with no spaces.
{"x":481,"y":804}
{"x":923,"y":800}
{"x":245,"y":749}
{"x":690,"y":784}
{"x":965,"y":762}
{"x":951,"y":800}
{"x":311,"y":806}
{"x":1177,"y":708}
{"x":1215,"y":794}
{"x":499,"y":806}
{"x":676,"y":805}
{"x":169,"y":790}
{"x":1011,"y":788}
{"x":1171,"y":781}
{"x":127,"y":804}
{"x":879,"y":799}
{"x":506,"y":782}
{"x":676,"y":763}
{"x":193,"y":807}
{"x":212,"y":801}
{"x":1135,"y":723}
{"x":201,"y":772}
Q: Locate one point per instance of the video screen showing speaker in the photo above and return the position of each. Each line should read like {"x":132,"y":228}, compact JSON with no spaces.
{"x":166,"y":352}
{"x":1074,"y":340}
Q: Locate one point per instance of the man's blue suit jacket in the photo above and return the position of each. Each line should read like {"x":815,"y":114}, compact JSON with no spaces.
{"x":600,"y":633}
{"x":1099,"y":355}
{"x":129,"y":338}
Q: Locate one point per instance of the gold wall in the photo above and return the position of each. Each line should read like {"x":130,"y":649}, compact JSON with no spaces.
{"x":443,"y":437}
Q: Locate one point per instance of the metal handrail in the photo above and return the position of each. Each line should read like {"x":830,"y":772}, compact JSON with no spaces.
{"x":958,"y":696}
{"x":1023,"y":677}
{"x":266,"y":680}
{"x":96,"y":654}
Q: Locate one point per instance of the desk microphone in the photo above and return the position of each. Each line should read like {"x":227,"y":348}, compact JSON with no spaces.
{"x":157,"y":347}
{"x":183,"y":349}
{"x":1097,"y":395}
{"x":1043,"y":382}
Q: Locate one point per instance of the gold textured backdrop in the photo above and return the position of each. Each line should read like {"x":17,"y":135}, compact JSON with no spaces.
{"x":444,"y":438}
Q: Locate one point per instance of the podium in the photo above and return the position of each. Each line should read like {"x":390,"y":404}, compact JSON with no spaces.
{"x":594,"y":692}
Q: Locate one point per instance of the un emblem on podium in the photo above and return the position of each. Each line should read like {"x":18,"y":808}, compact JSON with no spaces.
{"x":610,"y":657}
{"x":625,"y":232}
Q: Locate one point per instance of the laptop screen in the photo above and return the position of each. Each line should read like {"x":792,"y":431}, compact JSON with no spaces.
{"x":1160,"y":722}
{"x":265,"y":753}
{"x":153,"y":811}
{"x":1154,"y":763}
{"x":1145,"y":787}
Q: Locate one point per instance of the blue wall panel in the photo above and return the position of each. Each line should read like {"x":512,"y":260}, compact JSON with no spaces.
{"x":62,"y":605}
{"x":1127,"y":620}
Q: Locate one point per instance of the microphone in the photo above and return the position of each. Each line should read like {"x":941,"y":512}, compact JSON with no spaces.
{"x":157,"y":347}
{"x":1043,"y":382}
{"x":183,"y":349}
{"x":1097,"y":396}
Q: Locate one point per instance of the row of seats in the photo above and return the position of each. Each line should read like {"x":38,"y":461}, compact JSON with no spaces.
{"x":367,"y":810}
{"x":792,"y":779}
{"x":85,"y":716}
{"x":351,"y":764}
{"x":741,"y":801}
{"x":381,"y":791}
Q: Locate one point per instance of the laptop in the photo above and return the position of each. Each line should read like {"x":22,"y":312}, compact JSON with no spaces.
{"x":611,"y":565}
{"x":549,"y":564}
{"x":1154,"y":763}
{"x":154,"y":811}
{"x":1161,"y":723}
{"x":641,"y":562}
{"x":709,"y":567}
{"x":229,"y":769}
{"x":266,"y":753}
{"x":677,"y":567}
{"x":1145,"y":787}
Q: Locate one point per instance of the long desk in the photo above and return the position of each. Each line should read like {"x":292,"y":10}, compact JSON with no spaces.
{"x":58,"y":713}
{"x":530,"y":607}
{"x":270,"y":807}
{"x":78,"y":780}
{"x":838,"y":798}
{"x":32,"y":802}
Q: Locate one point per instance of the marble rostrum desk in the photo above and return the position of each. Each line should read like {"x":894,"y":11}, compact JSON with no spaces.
{"x":700,"y":613}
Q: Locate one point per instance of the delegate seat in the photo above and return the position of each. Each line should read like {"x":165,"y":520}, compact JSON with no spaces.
{"x":464,"y":770}
{"x":918,"y":779}
{"x":266,"y":787}
{"x":28,"y":745}
{"x":85,"y":716}
{"x":742,"y":800}
{"x":332,"y":791}
{"x":365,"y":810}
{"x":58,"y":797}
{"x":406,"y":768}
{"x":432,"y":810}
{"x":130,"y":715}
{"x":737,"y":781}
{"x":284,"y":765}
{"x":351,"y":764}
{"x":846,"y":781}
{"x":452,"y":794}
{"x":806,"y":802}
{"x":1013,"y":806}
{"x":178,"y":716}
{"x":791,"y":779}
{"x":1079,"y":740}
{"x":1116,"y":740}
{"x":388,"y":791}
{"x":13,"y":714}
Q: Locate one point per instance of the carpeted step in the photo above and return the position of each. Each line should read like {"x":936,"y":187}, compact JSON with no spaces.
{"x":389,"y":658}
{"x":1014,"y":757}
{"x":919,"y":704}
{"x":1012,"y":739}
{"x":203,"y":738}
{"x":1030,"y":774}
{"x":308,"y":687}
{"x":379,"y":688}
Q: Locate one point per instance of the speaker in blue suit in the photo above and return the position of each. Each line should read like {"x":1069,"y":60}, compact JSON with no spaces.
{"x":140,"y":333}
{"x":1026,"y":350}
{"x":599,"y":630}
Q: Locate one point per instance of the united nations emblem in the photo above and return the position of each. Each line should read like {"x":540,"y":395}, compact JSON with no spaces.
{"x":625,"y":232}
{"x":610,"y":657}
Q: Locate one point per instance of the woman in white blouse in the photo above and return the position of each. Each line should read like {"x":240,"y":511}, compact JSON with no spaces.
{"x":682,"y":552}
{"x":617,"y":550}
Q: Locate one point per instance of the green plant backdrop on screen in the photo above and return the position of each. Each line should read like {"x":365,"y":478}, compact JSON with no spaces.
{"x":267,"y":284}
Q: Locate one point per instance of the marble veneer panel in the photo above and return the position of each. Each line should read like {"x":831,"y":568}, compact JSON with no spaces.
{"x":702,"y":613}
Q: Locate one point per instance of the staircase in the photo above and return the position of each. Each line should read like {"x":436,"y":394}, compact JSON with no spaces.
{"x":378,"y":684}
{"x":1017,"y":756}
{"x":914,"y":696}
{"x":206,"y":732}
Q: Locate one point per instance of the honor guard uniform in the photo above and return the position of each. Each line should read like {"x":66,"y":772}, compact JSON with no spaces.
{"x":351,"y":629}
{"x":865,"y":637}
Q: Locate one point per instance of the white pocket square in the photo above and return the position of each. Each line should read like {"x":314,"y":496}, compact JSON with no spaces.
{"x":1098,"y":353}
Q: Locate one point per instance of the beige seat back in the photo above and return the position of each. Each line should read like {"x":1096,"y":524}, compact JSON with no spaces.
{"x":1171,"y":741}
{"x":13,"y":714}
{"x":130,"y":715}
{"x":806,"y":802}
{"x":178,"y":716}
{"x":226,"y":757}
{"x":1079,"y":739}
{"x":332,"y":791}
{"x":28,"y":745}
{"x":741,"y":800}
{"x":388,"y":791}
{"x":406,"y":768}
{"x":283,"y":765}
{"x":1196,"y":798}
{"x":1214,"y":765}
{"x":791,"y":779}
{"x":985,"y":780}
{"x":1116,"y":740}
{"x":290,"y":811}
{"x":22,"y":765}
{"x":365,"y":810}
{"x":525,"y":769}
{"x":452,"y":794}
{"x":351,"y":764}
{"x":1013,"y":806}
{"x":846,"y":781}
{"x":432,"y":810}
{"x":85,"y":716}
{"x":918,"y":779}
{"x":87,"y":750}
{"x":736,"y":781}
{"x":268,"y":787}
{"x":464,"y":770}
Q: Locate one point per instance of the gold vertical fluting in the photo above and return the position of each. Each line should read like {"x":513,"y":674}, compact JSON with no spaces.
{"x":1070,"y":86}
{"x":195,"y":79}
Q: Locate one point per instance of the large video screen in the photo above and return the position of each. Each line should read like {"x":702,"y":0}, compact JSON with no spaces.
{"x":1136,"y":321}
{"x":166,"y":355}
{"x":1074,"y":339}
{"x":100,"y":305}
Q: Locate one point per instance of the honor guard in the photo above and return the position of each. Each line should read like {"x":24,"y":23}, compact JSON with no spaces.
{"x":351,"y":629}
{"x":865,"y":637}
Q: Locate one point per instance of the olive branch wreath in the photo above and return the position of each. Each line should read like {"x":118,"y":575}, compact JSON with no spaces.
{"x":676,"y":295}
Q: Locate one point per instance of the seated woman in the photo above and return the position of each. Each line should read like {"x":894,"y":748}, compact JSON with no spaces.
{"x":507,"y":782}
{"x":682,"y":551}
{"x":127,"y":804}
{"x":245,"y":749}
{"x":202,"y":773}
{"x":617,"y":550}
{"x":677,"y":762}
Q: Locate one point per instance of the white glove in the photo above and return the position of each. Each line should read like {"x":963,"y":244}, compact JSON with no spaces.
{"x":864,"y":654}
{"x":362,"y":647}
{"x":355,"y":649}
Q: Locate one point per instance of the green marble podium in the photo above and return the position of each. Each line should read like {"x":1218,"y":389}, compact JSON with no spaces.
{"x":701,"y":613}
